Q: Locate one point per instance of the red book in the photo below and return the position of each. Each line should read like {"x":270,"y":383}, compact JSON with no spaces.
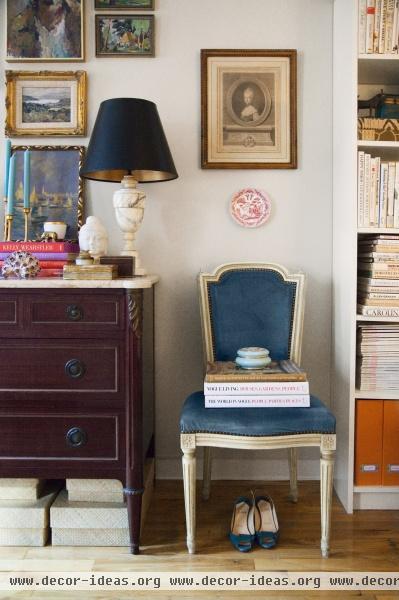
{"x":53,"y":264}
{"x":41,"y":247}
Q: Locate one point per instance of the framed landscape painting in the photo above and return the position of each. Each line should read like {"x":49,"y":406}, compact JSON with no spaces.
{"x":45,"y":30}
{"x":248,"y":106}
{"x":124,"y":4}
{"x":125,"y":35}
{"x":56,"y":189}
{"x":45,"y":103}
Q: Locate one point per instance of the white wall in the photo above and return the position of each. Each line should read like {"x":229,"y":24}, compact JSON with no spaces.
{"x":187,"y":226}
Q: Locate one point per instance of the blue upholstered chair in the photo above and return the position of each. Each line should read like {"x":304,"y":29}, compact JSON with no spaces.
{"x":254,"y":305}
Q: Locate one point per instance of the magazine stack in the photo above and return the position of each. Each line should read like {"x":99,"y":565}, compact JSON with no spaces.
{"x":279,"y":384}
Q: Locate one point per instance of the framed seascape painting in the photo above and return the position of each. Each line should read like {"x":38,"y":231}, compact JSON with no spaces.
{"x":56,"y":189}
{"x":125,"y":35}
{"x":45,"y":103}
{"x":248,"y":105}
{"x":124,"y":4}
{"x":45,"y":30}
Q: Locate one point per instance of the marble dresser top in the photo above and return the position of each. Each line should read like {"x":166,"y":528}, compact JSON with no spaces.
{"x":139,"y":282}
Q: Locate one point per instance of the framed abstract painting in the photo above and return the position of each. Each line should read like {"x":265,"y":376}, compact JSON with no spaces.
{"x":45,"y":103}
{"x":45,"y":30}
{"x":125,"y":35}
{"x":56,"y":189}
{"x":248,"y":105}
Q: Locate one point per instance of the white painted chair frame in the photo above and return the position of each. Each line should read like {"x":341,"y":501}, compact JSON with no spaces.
{"x":190,"y":441}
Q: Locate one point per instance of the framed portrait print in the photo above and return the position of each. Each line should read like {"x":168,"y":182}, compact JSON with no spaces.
{"x":248,"y":104}
{"x":45,"y":30}
{"x":124,"y":4}
{"x":125,"y":35}
{"x":56,"y":189}
{"x":45,"y":103}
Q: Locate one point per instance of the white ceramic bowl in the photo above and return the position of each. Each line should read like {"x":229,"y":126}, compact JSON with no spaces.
{"x":58,"y":227}
{"x":253,"y":363}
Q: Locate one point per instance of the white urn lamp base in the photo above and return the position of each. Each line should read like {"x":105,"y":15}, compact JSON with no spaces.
{"x":129,"y":205}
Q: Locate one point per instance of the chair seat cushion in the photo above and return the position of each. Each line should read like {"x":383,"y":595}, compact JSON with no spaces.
{"x":195,"y":418}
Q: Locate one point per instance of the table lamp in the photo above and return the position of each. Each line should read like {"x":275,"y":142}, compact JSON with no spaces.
{"x":128,"y":144}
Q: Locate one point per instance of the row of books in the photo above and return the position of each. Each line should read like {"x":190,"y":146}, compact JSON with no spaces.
{"x":378,"y":192}
{"x":280,"y":384}
{"x":377,"y":367}
{"x":378,"y":26}
{"x":52,"y":256}
{"x":378,"y":270}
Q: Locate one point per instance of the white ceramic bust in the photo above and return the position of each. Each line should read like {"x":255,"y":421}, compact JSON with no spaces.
{"x":93,"y":238}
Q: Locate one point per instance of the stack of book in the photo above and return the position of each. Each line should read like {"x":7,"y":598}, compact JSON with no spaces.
{"x":378,"y":192}
{"x":378,"y":351}
{"x":378,"y":26}
{"x":280,"y":384}
{"x":52,"y":256}
{"x":378,"y":281}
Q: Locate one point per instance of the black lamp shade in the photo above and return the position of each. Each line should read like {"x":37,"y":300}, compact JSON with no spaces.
{"x":128,"y":139}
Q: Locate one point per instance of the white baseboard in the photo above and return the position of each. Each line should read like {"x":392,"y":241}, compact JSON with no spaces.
{"x":257,"y":470}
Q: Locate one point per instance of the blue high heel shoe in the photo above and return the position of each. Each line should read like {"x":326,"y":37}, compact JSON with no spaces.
{"x":266,"y":524}
{"x":242,"y":530}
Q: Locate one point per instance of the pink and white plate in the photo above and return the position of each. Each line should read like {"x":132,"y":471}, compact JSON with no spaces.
{"x":250,"y":207}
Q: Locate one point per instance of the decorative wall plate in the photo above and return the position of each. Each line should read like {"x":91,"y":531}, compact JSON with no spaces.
{"x":250,"y":207}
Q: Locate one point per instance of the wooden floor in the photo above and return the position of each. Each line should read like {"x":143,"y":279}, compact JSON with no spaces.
{"x":364,"y":541}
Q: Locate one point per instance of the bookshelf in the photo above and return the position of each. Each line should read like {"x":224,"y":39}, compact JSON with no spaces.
{"x":353,"y":75}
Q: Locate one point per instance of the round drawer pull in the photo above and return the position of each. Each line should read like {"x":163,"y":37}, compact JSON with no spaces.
{"x":76,"y":437}
{"x":75,"y":368}
{"x":74,"y":312}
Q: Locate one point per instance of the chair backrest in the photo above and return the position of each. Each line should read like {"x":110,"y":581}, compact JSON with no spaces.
{"x":252,"y":304}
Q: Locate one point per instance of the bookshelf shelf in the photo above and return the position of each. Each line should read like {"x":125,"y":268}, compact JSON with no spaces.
{"x":377,"y":319}
{"x":383,"y":230}
{"x":378,"y":395}
{"x":372,"y":144}
{"x":376,"y":489}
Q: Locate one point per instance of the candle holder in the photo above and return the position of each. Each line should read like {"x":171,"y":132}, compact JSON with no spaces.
{"x":9,"y":219}
{"x":5,"y":220}
{"x":26,"y":219}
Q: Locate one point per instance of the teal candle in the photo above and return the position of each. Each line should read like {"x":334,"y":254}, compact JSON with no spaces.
{"x":7,"y":157}
{"x":26,"y":178}
{"x":11,"y":186}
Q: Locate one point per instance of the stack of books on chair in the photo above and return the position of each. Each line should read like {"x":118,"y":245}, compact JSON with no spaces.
{"x":280,"y":384}
{"x":378,"y":282}
{"x":52,"y":256}
{"x":378,"y":357}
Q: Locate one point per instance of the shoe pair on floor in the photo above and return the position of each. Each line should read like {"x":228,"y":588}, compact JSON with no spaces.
{"x":254,"y":522}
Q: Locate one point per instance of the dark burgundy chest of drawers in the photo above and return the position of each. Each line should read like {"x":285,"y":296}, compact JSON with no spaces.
{"x":76,"y":383}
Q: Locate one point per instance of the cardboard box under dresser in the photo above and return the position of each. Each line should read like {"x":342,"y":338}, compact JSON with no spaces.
{"x":76,"y":382}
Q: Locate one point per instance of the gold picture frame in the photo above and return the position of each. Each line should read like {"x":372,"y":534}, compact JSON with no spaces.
{"x":57,"y":189}
{"x":46,"y":103}
{"x":248,"y":109}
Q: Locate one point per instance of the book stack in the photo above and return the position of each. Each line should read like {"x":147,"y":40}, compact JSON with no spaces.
{"x":280,"y":384}
{"x":378,"y":357}
{"x":378,"y":192}
{"x":378,"y":26}
{"x":378,"y":281}
{"x":52,"y":256}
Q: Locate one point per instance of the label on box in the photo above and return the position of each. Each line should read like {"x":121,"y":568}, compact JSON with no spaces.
{"x":369,"y":468}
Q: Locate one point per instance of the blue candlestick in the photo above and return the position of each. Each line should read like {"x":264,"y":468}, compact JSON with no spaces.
{"x":26,"y":178}
{"x":7,"y":157}
{"x":11,"y":186}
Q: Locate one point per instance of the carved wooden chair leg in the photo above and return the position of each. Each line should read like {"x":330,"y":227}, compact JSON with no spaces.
{"x":189,"y":479}
{"x":293,"y":465}
{"x":326,"y":491}
{"x":206,"y":481}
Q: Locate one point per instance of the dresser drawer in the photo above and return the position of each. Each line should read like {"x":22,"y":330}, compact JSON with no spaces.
{"x":10,"y":313}
{"x":65,"y":314}
{"x":59,"y":437}
{"x":67,"y":366}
